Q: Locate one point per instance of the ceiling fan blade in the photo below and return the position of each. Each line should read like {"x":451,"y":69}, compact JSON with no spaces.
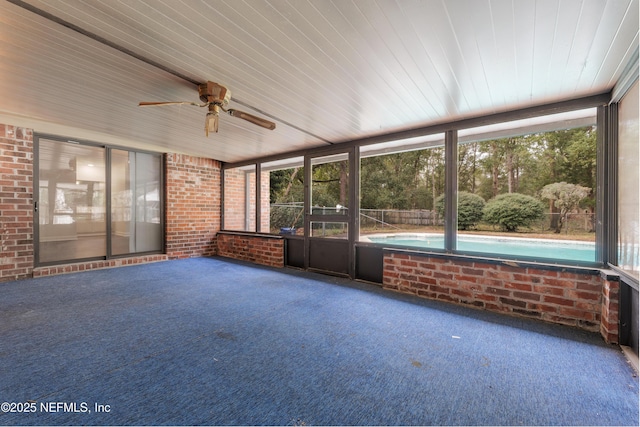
{"x":159,"y":104}
{"x":253,"y":119}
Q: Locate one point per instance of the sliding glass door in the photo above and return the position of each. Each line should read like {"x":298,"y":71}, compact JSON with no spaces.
{"x":94,"y":202}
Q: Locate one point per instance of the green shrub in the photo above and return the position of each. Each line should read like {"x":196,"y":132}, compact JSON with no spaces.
{"x":470,"y":208}
{"x":513,"y":210}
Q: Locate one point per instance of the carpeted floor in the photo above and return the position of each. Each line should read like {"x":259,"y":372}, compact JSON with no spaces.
{"x":214,"y":342}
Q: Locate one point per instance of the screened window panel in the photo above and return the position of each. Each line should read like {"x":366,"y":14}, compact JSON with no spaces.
{"x":629,"y":184}
{"x":284,"y":191}
{"x":330,"y":185}
{"x":527,"y":188}
{"x":400,"y":184}
{"x":240,"y":199}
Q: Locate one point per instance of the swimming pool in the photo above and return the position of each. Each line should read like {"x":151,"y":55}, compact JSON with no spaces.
{"x":514,"y":246}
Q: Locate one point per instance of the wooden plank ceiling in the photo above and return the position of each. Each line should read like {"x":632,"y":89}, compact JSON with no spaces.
{"x":325,"y":71}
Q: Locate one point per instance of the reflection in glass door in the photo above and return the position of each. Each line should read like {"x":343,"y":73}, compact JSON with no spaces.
{"x":71,"y":207}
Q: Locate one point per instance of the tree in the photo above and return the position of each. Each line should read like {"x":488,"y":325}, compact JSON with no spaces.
{"x":381,"y":185}
{"x":568,"y":155}
{"x":470,"y":208}
{"x":513,"y":210}
{"x":491,"y":162}
{"x":566,"y":197}
{"x":406,"y":180}
{"x":281,"y":183}
{"x":581,"y":156}
{"x":468,"y":166}
{"x":277,"y":182}
{"x":329,"y":184}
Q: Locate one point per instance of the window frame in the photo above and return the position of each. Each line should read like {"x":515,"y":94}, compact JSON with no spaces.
{"x":600,"y":101}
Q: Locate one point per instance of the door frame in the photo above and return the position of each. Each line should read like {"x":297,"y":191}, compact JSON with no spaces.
{"x":353,"y":207}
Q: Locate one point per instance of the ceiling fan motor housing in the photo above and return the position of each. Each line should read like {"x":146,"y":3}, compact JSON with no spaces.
{"x":214,"y":92}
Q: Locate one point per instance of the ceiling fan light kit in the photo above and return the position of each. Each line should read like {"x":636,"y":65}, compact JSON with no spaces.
{"x":215,"y":97}
{"x":211,"y":122}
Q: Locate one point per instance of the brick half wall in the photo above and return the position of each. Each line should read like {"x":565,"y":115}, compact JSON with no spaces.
{"x":261,"y":249}
{"x":576,"y":297}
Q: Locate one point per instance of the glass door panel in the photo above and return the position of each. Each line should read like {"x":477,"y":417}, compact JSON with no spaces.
{"x":72,"y":205}
{"x":135,"y":202}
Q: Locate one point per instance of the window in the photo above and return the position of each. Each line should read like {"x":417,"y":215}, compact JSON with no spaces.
{"x":401,"y":183}
{"x":285,"y":193}
{"x":527,"y":188}
{"x":73,"y":220}
{"x":628,"y":184}
{"x":524,"y":189}
{"x":240,"y":198}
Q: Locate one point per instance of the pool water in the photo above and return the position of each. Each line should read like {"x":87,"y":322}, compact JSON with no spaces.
{"x":514,"y":246}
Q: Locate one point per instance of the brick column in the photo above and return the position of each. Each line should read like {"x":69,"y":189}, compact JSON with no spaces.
{"x":16,"y":203}
{"x":193,"y":205}
{"x":610,"y":317}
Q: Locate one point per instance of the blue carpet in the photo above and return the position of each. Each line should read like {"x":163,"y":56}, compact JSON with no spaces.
{"x":208,"y":341}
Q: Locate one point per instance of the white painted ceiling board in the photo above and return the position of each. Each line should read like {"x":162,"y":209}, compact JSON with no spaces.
{"x":96,"y":90}
{"x":620,"y":50}
{"x":323,"y":70}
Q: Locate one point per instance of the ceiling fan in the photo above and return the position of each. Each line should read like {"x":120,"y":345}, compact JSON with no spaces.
{"x":215,"y":97}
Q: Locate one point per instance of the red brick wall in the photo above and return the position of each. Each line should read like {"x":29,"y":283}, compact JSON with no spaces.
{"x":193,"y":198}
{"x":193,"y":205}
{"x":16,"y":202}
{"x":193,"y":202}
{"x":260,"y":249}
{"x":572,"y":297}
{"x":93,"y":265}
{"x":609,"y":325}
{"x":235,"y":200}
